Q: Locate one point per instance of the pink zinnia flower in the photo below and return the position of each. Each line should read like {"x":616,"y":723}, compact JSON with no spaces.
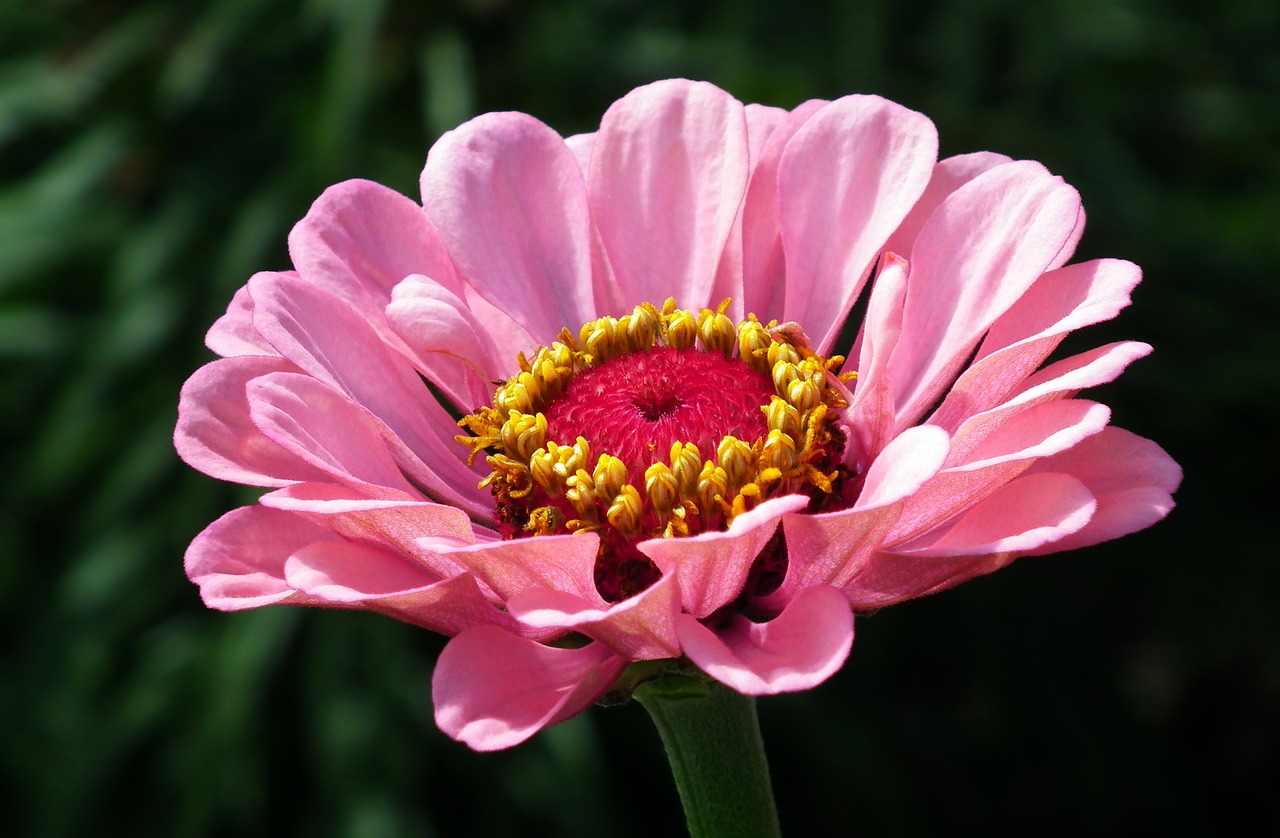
{"x":688,"y":481}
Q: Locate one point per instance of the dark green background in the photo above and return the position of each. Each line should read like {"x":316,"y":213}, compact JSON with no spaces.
{"x":154,"y":155}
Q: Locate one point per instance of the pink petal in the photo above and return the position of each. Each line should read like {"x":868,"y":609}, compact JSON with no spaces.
{"x":799,"y":649}
{"x":667,"y":177}
{"x":324,"y":336}
{"x":328,"y":431}
{"x":763,"y":285}
{"x":872,"y":414}
{"x":1055,"y":382}
{"x":1132,"y":478}
{"x":581,"y":145}
{"x":1019,"y":341}
{"x":713,"y":566}
{"x":875,"y":158}
{"x":762,"y":123}
{"x":493,"y":690}
{"x":450,"y":345}
{"x":830,"y":548}
{"x":1029,"y":512}
{"x":976,"y":469}
{"x":358,"y":575}
{"x":215,"y":434}
{"x":510,"y":202}
{"x":639,"y":628}
{"x":976,"y":255}
{"x":341,"y":571}
{"x":238,"y":561}
{"x":913,"y":457}
{"x":559,"y":562}
{"x":233,"y":333}
{"x":394,"y":525}
{"x":947,"y":176}
{"x":361,"y":238}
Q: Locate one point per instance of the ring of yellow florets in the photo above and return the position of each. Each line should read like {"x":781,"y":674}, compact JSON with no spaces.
{"x":545,"y":486}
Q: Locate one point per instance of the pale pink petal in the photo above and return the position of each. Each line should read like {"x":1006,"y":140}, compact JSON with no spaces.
{"x":1063,"y":300}
{"x":510,"y":202}
{"x":762,"y":122}
{"x":830,"y":548}
{"x":975,"y":470}
{"x":668,"y":173}
{"x":947,"y":176}
{"x":980,"y":250}
{"x":450,"y":345}
{"x":1080,"y":372}
{"x":233,"y":333}
{"x":713,"y":566}
{"x":875,"y":158}
{"x":493,"y":690}
{"x":327,"y":339}
{"x":238,"y":560}
{"x":1057,"y":381}
{"x":1060,"y":301}
{"x":639,"y":628}
{"x":764,"y":270}
{"x":361,"y":238}
{"x":913,"y":457}
{"x":872,"y":414}
{"x":328,"y":431}
{"x":1132,"y":478}
{"x":799,"y":649}
{"x":581,"y":146}
{"x":215,"y":434}
{"x":560,"y":562}
{"x":1034,"y":510}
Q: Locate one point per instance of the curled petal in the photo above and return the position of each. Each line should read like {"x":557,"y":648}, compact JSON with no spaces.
{"x":238,"y":561}
{"x":216,"y":435}
{"x":361,"y":238}
{"x":1132,"y":478}
{"x":799,"y":649}
{"x":233,"y":333}
{"x":492,"y":689}
{"x":344,"y":573}
{"x":713,"y":566}
{"x":559,"y":562}
{"x":639,"y":628}
{"x":830,"y":548}
{"x":328,"y":431}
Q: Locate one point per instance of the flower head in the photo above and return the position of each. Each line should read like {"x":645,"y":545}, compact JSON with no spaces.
{"x":660,"y":455}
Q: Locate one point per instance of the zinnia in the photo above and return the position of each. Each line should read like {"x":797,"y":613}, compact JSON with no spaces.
{"x":675,"y":466}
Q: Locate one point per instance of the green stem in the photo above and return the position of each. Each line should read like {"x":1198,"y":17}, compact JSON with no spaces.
{"x":713,"y":742}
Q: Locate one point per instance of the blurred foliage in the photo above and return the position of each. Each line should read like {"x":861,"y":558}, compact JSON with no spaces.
{"x":154,"y":155}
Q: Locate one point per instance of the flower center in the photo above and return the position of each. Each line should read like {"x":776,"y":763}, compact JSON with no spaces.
{"x":662,"y":423}
{"x":637,"y":404}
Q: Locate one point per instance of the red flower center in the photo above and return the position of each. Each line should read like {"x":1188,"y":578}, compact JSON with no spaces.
{"x":637,"y":406}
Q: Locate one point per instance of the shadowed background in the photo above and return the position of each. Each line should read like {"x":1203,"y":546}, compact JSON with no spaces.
{"x":154,"y":155}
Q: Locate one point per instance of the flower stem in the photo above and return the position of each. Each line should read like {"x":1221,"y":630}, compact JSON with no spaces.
{"x":713,"y":743}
